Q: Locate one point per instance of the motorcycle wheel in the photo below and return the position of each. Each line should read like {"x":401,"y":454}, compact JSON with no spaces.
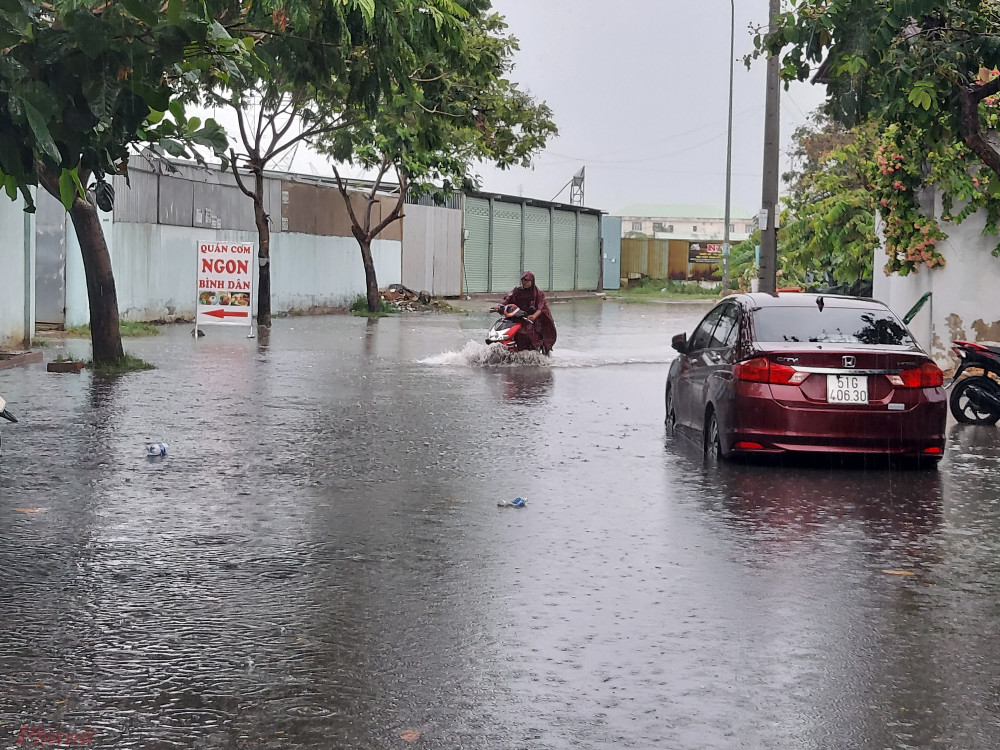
{"x":966,"y":409}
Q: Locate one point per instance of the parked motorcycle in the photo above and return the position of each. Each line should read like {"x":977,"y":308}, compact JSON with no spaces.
{"x":4,"y":414}
{"x":975,"y":399}
{"x":504,"y":331}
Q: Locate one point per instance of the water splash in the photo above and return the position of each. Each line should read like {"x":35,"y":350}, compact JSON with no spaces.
{"x":487,"y":355}
{"x":477,"y":354}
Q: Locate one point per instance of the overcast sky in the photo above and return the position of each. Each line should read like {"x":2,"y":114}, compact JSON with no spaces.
{"x":639,"y":91}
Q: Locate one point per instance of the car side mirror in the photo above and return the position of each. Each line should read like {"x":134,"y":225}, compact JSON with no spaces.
{"x":679,"y":342}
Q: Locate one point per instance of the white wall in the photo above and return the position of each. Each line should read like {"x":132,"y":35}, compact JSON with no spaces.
{"x":17,"y":274}
{"x":155,"y":270}
{"x":964,"y":304}
{"x":312,"y":271}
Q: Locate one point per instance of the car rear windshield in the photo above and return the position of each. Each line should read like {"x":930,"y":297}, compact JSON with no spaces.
{"x":835,"y":325}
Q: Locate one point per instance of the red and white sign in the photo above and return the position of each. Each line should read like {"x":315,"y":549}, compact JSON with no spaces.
{"x":225,"y":283}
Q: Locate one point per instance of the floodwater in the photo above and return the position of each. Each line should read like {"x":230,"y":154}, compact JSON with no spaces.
{"x":320,"y":560}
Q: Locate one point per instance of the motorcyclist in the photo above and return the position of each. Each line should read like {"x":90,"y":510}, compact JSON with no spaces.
{"x":540,"y":332}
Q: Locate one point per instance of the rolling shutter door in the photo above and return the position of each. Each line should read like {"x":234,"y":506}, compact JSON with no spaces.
{"x":506,"y":246}
{"x":477,"y":246}
{"x":588,"y":264}
{"x":536,"y":244}
{"x":563,"y":251}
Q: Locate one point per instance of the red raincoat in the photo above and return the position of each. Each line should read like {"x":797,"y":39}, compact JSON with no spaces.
{"x":541,"y":333}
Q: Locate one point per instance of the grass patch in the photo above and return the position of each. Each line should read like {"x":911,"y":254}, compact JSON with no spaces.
{"x":360,"y":308}
{"x":128,"y":363}
{"x":647,"y":288}
{"x":128,"y":328}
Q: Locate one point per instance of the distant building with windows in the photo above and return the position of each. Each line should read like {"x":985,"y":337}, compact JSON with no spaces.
{"x":686,"y":222}
{"x":679,"y":242}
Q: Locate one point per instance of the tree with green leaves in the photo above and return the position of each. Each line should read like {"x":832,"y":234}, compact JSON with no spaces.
{"x":83,"y":83}
{"x":827,"y":232}
{"x":927,"y":72}
{"x":325,"y":66}
{"x":456,"y":109}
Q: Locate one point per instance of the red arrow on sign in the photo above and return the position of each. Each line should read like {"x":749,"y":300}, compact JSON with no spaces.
{"x":227,"y":314}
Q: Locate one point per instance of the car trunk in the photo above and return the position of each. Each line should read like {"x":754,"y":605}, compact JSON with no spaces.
{"x":845,"y":372}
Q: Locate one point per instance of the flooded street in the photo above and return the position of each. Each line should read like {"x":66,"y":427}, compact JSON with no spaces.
{"x":320,"y":560}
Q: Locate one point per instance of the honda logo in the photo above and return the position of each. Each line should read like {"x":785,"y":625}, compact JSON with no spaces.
{"x":849,"y":361}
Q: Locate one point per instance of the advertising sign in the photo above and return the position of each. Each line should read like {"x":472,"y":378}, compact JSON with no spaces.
{"x":703,"y":252}
{"x":225,"y":283}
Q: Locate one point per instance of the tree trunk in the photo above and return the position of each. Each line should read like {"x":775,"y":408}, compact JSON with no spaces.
{"x":371,"y":282}
{"x":264,"y":255}
{"x":972,"y":134}
{"x":263,"y":252}
{"x":105,"y":332}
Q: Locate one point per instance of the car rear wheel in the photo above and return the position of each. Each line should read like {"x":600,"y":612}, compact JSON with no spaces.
{"x":671,"y":416}
{"x":713,"y":439}
{"x":965,"y":403}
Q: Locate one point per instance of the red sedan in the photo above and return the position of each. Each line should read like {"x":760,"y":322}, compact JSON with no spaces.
{"x":806,"y":373}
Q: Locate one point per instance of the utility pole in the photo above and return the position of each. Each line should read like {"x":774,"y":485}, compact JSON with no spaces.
{"x":729,"y":147}
{"x":769,"y":191}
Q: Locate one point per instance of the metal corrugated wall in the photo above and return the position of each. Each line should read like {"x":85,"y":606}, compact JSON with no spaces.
{"x":506,"y":268}
{"x":562,"y":247}
{"x":588,"y":265}
{"x":563,"y":251}
{"x":536,"y":244}
{"x":476,"y":276}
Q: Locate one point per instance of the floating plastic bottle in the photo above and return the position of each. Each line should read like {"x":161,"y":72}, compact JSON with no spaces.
{"x":517,"y":502}
{"x":156,"y":449}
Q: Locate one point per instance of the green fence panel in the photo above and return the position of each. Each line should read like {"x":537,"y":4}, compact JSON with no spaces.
{"x":477,"y":246}
{"x":536,"y":244}
{"x":588,"y":267}
{"x":506,"y":246}
{"x":563,"y":251}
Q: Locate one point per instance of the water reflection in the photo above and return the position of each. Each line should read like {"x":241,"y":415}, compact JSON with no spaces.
{"x":794,"y":502}
{"x":263,"y":338}
{"x":523,"y":383}
{"x":370,"y":335}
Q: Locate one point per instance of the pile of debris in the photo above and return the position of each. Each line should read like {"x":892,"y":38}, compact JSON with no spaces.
{"x":404,"y":298}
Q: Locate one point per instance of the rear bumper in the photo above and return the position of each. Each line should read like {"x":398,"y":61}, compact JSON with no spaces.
{"x":915,"y":427}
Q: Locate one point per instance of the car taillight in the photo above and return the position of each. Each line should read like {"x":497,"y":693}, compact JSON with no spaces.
{"x":761,"y":370}
{"x":928,"y":375}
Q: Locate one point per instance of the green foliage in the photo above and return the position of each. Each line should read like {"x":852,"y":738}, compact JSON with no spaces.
{"x":360,"y":307}
{"x":128,"y":363}
{"x":456,"y":108}
{"x":922,"y":72}
{"x":128,"y":328}
{"x":85,"y":81}
{"x":827,"y":231}
{"x":646,"y":288}
{"x":743,"y":263}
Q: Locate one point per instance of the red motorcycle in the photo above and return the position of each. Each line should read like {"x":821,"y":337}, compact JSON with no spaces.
{"x":504,"y":331}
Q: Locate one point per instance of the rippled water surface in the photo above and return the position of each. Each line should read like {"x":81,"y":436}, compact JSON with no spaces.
{"x":320,"y":560}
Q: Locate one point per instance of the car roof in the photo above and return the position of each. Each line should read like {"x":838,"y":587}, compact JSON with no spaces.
{"x":804,"y":299}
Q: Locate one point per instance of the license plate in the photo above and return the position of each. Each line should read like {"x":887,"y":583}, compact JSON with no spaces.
{"x":847,"y":389}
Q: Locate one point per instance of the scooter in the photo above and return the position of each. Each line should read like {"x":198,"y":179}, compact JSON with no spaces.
{"x":975,"y":399}
{"x":4,"y":414}
{"x":504,"y":331}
